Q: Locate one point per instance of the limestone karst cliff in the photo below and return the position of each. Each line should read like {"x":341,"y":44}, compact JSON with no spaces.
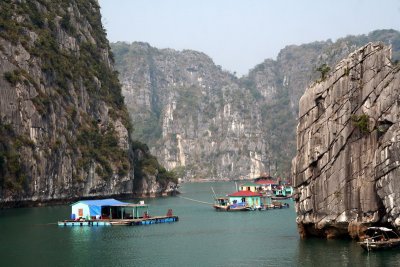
{"x":204,"y":122}
{"x":64,"y":128}
{"x":346,"y":171}
{"x":190,"y":110}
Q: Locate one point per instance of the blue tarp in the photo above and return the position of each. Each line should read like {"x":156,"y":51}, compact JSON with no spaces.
{"x":103,"y":202}
{"x":95,"y":205}
{"x":94,"y":210}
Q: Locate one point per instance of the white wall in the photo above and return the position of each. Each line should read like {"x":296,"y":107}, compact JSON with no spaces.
{"x":76,"y":207}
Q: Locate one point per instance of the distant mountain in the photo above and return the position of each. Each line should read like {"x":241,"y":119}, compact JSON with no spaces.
{"x":203,"y":122}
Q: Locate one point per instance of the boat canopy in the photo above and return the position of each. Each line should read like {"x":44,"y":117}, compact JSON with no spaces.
{"x":102,"y":202}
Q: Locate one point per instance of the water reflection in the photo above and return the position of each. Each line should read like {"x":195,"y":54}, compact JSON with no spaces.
{"x":320,"y":252}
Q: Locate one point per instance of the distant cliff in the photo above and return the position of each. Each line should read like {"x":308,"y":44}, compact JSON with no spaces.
{"x":64,"y":128}
{"x":197,"y":118}
{"x":204,"y":122}
{"x":347,"y":164}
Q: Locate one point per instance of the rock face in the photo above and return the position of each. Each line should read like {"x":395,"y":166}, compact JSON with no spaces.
{"x":203,"y":122}
{"x":346,"y":171}
{"x":198,"y":118}
{"x":64,"y":129}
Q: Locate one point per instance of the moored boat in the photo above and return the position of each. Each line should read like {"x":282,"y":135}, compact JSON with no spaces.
{"x":240,"y":201}
{"x":223,"y":204}
{"x":279,"y":205}
{"x":379,"y":238}
{"x":280,"y":197}
{"x":282,"y":192}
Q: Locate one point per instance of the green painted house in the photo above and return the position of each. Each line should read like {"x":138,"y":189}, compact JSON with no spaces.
{"x":246,"y":198}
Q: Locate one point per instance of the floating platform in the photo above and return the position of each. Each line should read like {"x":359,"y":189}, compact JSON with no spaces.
{"x":139,"y":221}
{"x":83,"y":223}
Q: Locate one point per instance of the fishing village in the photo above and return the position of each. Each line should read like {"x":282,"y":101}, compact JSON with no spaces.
{"x":199,"y":133}
{"x":261,"y":194}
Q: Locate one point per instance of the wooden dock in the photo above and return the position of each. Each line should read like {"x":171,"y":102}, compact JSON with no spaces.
{"x":116,"y":222}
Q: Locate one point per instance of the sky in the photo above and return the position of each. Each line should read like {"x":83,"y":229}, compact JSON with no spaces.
{"x":239,"y":34}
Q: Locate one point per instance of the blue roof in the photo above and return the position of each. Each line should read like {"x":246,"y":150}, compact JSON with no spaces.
{"x":102,"y":202}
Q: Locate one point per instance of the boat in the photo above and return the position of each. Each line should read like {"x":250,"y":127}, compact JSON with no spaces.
{"x":279,"y":205}
{"x":282,"y":193}
{"x":280,"y":197}
{"x":222,"y":204}
{"x":379,"y":238}
{"x":245,"y":201}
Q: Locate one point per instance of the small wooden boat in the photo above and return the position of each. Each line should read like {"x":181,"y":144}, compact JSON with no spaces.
{"x":379,"y":238}
{"x":231,"y":208}
{"x":281,"y":197}
{"x":279,"y":205}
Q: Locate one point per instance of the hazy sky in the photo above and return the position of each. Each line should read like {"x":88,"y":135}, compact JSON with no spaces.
{"x":238,"y":34}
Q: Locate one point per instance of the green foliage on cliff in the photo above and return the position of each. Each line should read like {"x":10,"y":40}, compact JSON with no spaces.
{"x":324,"y":70}
{"x":279,"y":133}
{"x":189,"y":98}
{"x":389,"y":37}
{"x":14,"y":176}
{"x":19,"y":76}
{"x":250,"y":85}
{"x":361,"y":122}
{"x":147,"y":129}
{"x":188,"y":104}
{"x":13,"y":77}
{"x":101,"y":145}
{"x":64,"y":66}
{"x":146,"y":164}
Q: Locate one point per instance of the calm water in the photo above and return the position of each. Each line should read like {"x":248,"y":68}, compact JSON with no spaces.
{"x":202,"y":237}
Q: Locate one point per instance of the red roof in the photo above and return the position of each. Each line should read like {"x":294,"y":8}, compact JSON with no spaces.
{"x":245,"y":194}
{"x":266,"y":182}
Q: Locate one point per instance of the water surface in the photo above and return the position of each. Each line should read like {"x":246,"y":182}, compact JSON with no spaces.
{"x":202,"y":237}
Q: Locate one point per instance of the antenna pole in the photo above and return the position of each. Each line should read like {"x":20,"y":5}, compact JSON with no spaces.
{"x":215,"y":196}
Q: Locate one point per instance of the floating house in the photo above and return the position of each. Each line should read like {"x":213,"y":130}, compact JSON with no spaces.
{"x":251,"y":199}
{"x":287,"y":187}
{"x":252,"y":187}
{"x":283,"y":192}
{"x":113,"y":212}
{"x":288,"y":190}
{"x":107,"y":209}
{"x":267,"y":184}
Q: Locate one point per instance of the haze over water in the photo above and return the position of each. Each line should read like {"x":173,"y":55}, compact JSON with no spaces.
{"x":202,"y":237}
